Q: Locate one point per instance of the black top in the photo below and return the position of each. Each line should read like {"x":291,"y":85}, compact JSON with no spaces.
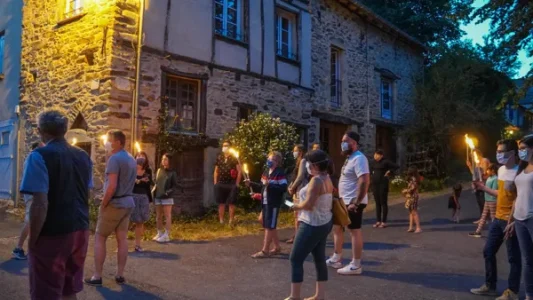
{"x":69,"y":174}
{"x":227,"y":169}
{"x":142,"y":187}
{"x":379,"y":168}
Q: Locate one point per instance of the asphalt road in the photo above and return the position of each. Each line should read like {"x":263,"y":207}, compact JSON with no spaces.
{"x":441,"y":263}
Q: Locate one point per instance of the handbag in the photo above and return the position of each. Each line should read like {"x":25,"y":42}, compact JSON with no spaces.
{"x":340,"y":213}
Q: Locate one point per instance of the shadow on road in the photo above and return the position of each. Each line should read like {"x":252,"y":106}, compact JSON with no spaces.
{"x":15,"y":267}
{"x":372,"y":246}
{"x":155,"y":255}
{"x":127,"y":292}
{"x":442,"y":281}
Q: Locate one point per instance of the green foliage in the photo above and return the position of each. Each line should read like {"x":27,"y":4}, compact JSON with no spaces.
{"x":431,"y":185}
{"x":459,"y":95}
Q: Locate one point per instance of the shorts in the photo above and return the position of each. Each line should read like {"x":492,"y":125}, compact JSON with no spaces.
{"x":356,"y":217}
{"x":111,"y":219}
{"x":56,"y":265}
{"x":168,"y":201}
{"x":226,"y":193}
{"x":141,"y":212}
{"x":270,"y":216}
{"x":27,"y":214}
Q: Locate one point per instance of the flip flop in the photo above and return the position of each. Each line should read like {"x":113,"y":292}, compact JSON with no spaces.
{"x":383,"y":225}
{"x":376,"y":225}
{"x":411,"y":230}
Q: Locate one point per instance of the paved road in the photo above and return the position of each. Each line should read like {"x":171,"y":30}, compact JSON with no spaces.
{"x":441,"y":263}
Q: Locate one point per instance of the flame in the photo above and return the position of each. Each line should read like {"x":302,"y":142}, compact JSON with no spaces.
{"x":234,"y":152}
{"x":138,"y":147}
{"x":469,"y":142}
{"x":74,"y":141}
{"x":104,"y":138}
{"x":245,"y":168}
{"x":476,"y":159}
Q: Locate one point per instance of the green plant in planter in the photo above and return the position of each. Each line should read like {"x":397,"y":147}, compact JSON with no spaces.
{"x":254,"y":139}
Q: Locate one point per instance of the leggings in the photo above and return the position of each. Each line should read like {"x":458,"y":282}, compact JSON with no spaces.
{"x":310,"y":239}
{"x":381,"y":195}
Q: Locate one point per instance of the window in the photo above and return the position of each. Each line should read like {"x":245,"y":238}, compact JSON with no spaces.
{"x":73,"y":8}
{"x":336,"y":81}
{"x":183,"y":104}
{"x":386,"y":99}
{"x":2,"y":41}
{"x":324,"y":139}
{"x":245,"y":113}
{"x":228,"y":19}
{"x":4,"y":138}
{"x":286,"y":39}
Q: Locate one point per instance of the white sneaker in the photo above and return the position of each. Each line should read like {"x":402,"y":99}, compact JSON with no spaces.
{"x":350,"y":269}
{"x":157,"y":236}
{"x":164,"y":238}
{"x":335,"y":261}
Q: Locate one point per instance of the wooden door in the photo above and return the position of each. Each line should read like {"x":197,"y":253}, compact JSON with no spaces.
{"x":386,"y":142}
{"x":330,"y":140}
{"x":189,"y":165}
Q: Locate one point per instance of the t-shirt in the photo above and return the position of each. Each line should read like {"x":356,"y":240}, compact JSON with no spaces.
{"x":492,"y":183}
{"x":506,"y":192}
{"x":523,"y":208}
{"x":355,"y":166}
{"x":227,"y":169}
{"x":123,"y":164}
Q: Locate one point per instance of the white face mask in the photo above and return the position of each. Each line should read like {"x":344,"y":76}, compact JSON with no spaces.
{"x":524,"y":155}
{"x":295,"y":154}
{"x":500,"y":157}
{"x":107,"y":146}
{"x":225,"y":149}
{"x":345,"y":146}
{"x":308,"y":167}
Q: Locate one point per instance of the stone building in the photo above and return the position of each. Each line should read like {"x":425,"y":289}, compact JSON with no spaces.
{"x":325,"y":66}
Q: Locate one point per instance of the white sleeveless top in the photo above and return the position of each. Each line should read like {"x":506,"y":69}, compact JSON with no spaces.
{"x":321,"y":213}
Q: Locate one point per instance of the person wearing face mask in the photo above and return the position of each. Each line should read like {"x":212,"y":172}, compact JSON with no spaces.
{"x":499,"y":231}
{"x":381,"y":171}
{"x":300,"y":179}
{"x":227,"y":178}
{"x":331,"y":165}
{"x":315,"y":218}
{"x":353,"y":190}
{"x":522,"y":217}
{"x":273,"y":186}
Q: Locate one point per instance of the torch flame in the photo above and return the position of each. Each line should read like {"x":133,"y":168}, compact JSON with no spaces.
{"x":245,"y":168}
{"x":74,"y":141}
{"x":104,"y":138}
{"x":137,"y":147}
{"x":476,"y":159}
{"x":469,"y":142}
{"x":234,"y":152}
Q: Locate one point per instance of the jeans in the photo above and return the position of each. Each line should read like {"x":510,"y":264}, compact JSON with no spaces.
{"x":310,"y":239}
{"x":480,"y":199}
{"x":495,"y":238}
{"x":524,"y":232}
{"x":381,"y":194}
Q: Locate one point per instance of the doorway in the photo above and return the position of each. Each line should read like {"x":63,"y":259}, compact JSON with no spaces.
{"x":330,"y":140}
{"x":386,"y":141}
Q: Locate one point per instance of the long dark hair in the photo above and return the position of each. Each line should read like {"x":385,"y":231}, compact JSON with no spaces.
{"x":146,"y":164}
{"x":301,"y":149}
{"x":412,"y":172}
{"x":528,"y":141}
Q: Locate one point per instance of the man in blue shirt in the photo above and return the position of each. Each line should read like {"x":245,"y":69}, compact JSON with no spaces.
{"x":58,"y":176}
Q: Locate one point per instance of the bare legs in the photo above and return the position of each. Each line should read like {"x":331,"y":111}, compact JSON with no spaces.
{"x":122,"y":251}
{"x":99,"y":255}
{"x":271,"y":237}
{"x":23,"y":235}
{"x":338,"y":239}
{"x":222,"y":211}
{"x":414,"y":218}
{"x":167,"y":209}
{"x":139,"y":233}
{"x":357,"y":244}
{"x":159,"y":217}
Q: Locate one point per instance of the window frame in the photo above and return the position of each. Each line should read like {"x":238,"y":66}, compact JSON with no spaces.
{"x":2,"y":51}
{"x":72,"y":13}
{"x":197,"y":112}
{"x":3,"y":141}
{"x":335,"y":76}
{"x":292,"y":34}
{"x":386,"y":113}
{"x":240,"y":30}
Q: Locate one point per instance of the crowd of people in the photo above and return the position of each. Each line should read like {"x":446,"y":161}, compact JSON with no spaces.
{"x":57,"y":180}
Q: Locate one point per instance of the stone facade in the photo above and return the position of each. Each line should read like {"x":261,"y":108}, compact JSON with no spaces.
{"x":86,"y":67}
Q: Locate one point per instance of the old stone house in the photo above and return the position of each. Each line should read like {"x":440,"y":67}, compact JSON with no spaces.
{"x":324,"y":66}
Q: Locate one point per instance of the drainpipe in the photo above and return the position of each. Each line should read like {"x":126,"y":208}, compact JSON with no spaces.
{"x":16,"y":193}
{"x":135,"y":103}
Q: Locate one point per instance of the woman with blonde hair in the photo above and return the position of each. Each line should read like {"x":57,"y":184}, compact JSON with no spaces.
{"x":300,"y":179}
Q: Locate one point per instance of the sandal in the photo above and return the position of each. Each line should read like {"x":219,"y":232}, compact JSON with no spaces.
{"x":139,"y":249}
{"x":411,"y":230}
{"x":275,"y":251}
{"x":418,"y":230}
{"x":290,"y":241}
{"x":120,"y":279}
{"x":260,"y":254}
{"x":313,"y":298}
{"x":292,"y":298}
{"x":376,"y":225}
{"x":383,"y":225}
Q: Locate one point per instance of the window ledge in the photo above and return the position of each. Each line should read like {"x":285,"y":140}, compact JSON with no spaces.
{"x":288,"y":60}
{"x":2,"y":76}
{"x":182,"y":132}
{"x":231,"y":40}
{"x":70,"y":20}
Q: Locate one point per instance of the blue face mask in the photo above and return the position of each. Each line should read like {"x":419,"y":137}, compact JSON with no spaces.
{"x":270,"y":163}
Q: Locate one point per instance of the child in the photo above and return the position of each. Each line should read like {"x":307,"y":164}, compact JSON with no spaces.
{"x":453,"y":202}
{"x":490,"y":201}
{"x":411,"y":199}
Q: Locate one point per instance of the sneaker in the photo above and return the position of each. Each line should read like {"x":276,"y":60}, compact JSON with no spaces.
{"x":19,"y":254}
{"x":335,"y":261}
{"x":484,"y":290}
{"x":508,"y":295}
{"x":164,"y":238}
{"x":475,"y":234}
{"x":157,"y":236}
{"x":350,"y":269}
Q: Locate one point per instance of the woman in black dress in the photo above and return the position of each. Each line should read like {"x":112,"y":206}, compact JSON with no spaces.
{"x":142,"y":197}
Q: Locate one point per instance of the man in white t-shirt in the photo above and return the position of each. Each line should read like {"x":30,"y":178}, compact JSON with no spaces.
{"x":353,"y":190}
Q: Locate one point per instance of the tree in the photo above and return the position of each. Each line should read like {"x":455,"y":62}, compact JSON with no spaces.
{"x":433,"y":22}
{"x":459,"y":95}
{"x":511,"y":30}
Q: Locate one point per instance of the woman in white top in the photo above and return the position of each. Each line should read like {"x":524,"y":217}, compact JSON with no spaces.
{"x":522,"y":216}
{"x":300,"y":177}
{"x":315,"y":222}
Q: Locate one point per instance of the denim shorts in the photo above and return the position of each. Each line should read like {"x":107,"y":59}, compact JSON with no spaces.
{"x":168,"y":201}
